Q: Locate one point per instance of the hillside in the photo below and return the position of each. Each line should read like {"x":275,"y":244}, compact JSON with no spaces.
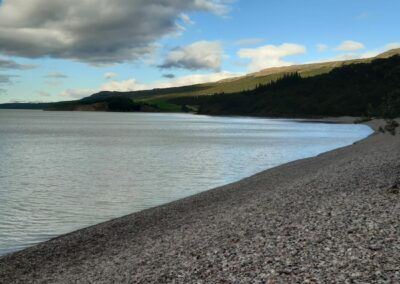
{"x":363,"y":89}
{"x":242,"y":83}
{"x":167,"y":99}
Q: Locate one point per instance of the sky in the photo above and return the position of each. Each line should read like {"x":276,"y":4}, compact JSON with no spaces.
{"x":53,"y":50}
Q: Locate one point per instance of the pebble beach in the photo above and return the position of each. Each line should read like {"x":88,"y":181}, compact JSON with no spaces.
{"x":333,"y":218}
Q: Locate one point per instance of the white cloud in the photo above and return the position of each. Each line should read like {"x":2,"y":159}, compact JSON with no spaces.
{"x":270,"y":55}
{"x":196,"y":56}
{"x":371,"y":53}
{"x":364,"y":54}
{"x":186,"y":19}
{"x":350,"y":45}
{"x":110,"y":75}
{"x":133,"y":85}
{"x":249,"y":41}
{"x":351,"y":56}
{"x":123,"y":86}
{"x":93,"y":31}
{"x":392,"y":45}
{"x":76,"y":93}
{"x":322,"y":47}
{"x":343,"y":57}
{"x":219,"y":7}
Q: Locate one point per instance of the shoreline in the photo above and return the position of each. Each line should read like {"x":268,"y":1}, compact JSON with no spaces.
{"x":328,"y":120}
{"x":246,"y":231}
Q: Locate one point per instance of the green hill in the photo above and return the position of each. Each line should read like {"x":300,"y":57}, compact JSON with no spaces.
{"x":178,"y":98}
{"x":362,"y":89}
{"x":242,"y":83}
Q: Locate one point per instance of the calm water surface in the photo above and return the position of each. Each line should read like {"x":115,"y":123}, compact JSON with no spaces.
{"x":60,"y":171}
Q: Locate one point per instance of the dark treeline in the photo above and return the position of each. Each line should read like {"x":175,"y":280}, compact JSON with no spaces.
{"x":24,"y":105}
{"x":365,"y":89}
{"x":146,"y":93}
{"x":116,"y":103}
{"x":362,"y":89}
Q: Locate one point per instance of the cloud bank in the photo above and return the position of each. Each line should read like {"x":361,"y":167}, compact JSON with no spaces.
{"x":97,"y":32}
{"x":270,"y":55}
{"x":134,"y":85}
{"x":6,"y":79}
{"x":11,"y":64}
{"x":76,"y":93}
{"x":196,"y":56}
{"x":350,"y":45}
{"x":392,"y":45}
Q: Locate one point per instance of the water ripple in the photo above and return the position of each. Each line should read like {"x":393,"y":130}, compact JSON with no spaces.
{"x":63,"y":171}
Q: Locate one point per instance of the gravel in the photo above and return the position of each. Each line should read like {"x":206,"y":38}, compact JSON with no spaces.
{"x":334,"y":218}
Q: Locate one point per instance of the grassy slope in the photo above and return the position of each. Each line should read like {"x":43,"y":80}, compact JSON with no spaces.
{"x":232,"y":85}
{"x":265,"y":76}
{"x":367,"y":89}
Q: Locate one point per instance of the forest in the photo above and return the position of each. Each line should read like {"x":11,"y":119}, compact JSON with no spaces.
{"x":363,"y":89}
{"x":369,"y":89}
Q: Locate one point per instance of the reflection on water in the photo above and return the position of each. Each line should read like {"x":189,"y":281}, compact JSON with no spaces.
{"x":60,"y":171}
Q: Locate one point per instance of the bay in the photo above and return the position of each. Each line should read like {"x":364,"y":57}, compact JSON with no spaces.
{"x":61,"y":171}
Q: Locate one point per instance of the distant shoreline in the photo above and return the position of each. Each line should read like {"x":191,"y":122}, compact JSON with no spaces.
{"x":295,"y":222}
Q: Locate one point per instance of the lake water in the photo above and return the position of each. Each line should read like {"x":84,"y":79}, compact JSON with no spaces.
{"x":60,"y":171}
